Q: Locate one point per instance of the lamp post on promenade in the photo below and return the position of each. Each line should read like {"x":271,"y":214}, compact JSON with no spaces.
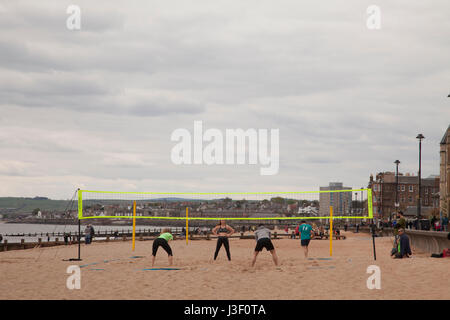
{"x":419,"y":202}
{"x":397,"y":204}
{"x":362,"y":202}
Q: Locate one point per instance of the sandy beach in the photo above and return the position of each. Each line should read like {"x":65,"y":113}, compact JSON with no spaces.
{"x":113,"y":271}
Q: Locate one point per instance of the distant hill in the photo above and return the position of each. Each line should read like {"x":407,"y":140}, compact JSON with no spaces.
{"x":27,"y":205}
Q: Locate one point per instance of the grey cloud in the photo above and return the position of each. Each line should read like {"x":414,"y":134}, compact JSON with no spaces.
{"x":96,"y":107}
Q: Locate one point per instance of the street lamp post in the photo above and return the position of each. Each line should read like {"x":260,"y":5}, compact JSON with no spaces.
{"x":419,"y":202}
{"x":362,"y":202}
{"x":381,"y":196}
{"x":397,"y":162}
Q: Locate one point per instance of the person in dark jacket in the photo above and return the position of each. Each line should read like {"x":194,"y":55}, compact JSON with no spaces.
{"x":88,"y":234}
{"x":403,"y":247}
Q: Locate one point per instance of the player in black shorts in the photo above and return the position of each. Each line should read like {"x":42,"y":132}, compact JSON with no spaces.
{"x":306,"y":233}
{"x":163,"y":241}
{"x":262,"y":236}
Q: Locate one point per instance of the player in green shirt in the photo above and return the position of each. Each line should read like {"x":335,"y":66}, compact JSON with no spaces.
{"x":306,"y":232}
{"x":163,"y":241}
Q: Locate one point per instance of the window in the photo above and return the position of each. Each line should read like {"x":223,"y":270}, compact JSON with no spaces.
{"x":426,"y":190}
{"x":375,"y":187}
{"x":411,"y":189}
{"x":410,"y":199}
{"x":403,"y":187}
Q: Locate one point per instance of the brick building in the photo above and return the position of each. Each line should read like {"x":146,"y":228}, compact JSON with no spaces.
{"x":384,"y":194}
{"x":445,"y":173}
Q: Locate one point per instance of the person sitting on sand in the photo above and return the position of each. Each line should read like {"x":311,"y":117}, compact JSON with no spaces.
{"x":222,"y":230}
{"x":163,"y":241}
{"x":403,"y":247}
{"x":262,"y":237}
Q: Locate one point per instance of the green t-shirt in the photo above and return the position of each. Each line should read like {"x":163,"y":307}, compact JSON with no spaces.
{"x":305,"y":231}
{"x":167,"y":236}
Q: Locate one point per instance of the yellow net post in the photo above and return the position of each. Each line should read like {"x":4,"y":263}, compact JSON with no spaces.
{"x":331,"y":231}
{"x":134,"y":224}
{"x":187,"y":225}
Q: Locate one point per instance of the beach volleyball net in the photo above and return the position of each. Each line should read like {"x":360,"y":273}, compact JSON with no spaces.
{"x":300,"y":205}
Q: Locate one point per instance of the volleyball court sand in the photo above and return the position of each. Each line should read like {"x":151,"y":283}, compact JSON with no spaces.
{"x":110,"y":272}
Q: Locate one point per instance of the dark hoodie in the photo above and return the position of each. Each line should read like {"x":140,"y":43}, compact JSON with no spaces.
{"x":405,"y":249}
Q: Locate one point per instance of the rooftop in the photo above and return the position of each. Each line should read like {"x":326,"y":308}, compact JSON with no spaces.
{"x":446,"y":134}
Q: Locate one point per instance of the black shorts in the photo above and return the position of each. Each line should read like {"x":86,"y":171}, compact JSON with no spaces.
{"x":305,"y":242}
{"x":160,"y":242}
{"x":264,"y":243}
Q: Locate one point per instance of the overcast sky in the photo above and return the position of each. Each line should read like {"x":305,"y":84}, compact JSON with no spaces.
{"x":95,"y":108}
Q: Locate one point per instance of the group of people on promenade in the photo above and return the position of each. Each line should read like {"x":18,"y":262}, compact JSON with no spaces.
{"x":433,"y":223}
{"x":222,"y":230}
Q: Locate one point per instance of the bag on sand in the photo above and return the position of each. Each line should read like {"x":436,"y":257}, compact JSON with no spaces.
{"x":446,"y":253}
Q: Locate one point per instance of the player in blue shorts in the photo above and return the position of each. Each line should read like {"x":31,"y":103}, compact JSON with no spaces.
{"x":306,"y":232}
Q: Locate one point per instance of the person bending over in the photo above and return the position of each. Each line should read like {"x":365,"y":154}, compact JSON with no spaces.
{"x":163,"y":241}
{"x":262,"y":237}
